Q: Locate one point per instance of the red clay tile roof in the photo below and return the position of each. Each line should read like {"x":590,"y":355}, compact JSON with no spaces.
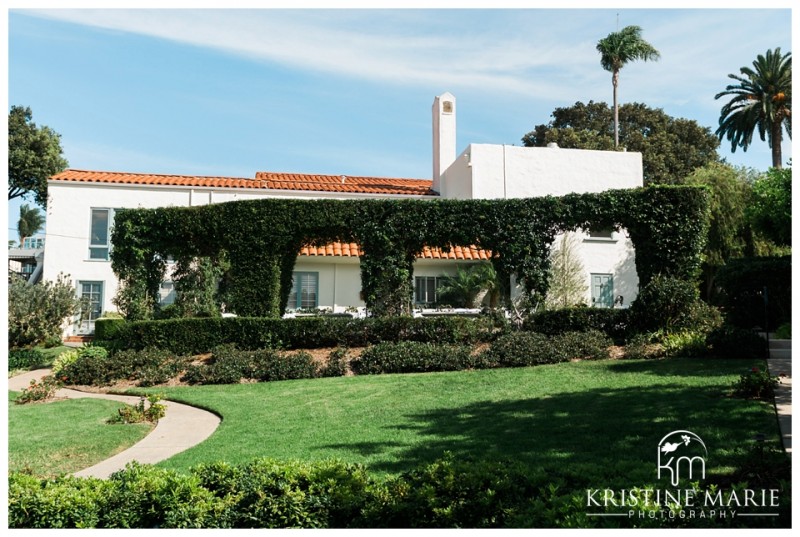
{"x":263,"y":180}
{"x":460,"y":253}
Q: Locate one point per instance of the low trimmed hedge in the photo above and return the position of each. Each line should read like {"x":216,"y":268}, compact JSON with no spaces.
{"x":615,"y":323}
{"x":265,"y":493}
{"x":199,"y":335}
{"x":414,"y":357}
{"x":25,"y":359}
{"x":521,"y":349}
{"x":230,"y":365}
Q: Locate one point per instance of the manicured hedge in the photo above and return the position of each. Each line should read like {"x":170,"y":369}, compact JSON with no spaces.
{"x":520,"y":349}
{"x":615,"y":323}
{"x":265,"y":493}
{"x":414,"y":357}
{"x":199,"y":335}
{"x":25,"y":359}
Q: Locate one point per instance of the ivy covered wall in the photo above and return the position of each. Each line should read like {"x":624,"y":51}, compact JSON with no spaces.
{"x":255,"y":242}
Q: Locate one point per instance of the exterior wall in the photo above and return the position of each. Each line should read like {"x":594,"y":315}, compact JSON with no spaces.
{"x":613,"y":256}
{"x":485,"y":171}
{"x":339,"y":279}
{"x":502,"y":171}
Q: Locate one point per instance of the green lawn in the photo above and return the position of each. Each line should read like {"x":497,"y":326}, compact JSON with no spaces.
{"x":65,"y":436}
{"x":599,"y":418}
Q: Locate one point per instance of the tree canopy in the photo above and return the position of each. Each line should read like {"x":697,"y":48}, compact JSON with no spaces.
{"x":34,"y":154}
{"x":761,"y":100}
{"x":671,"y":148}
{"x":30,"y":222}
{"x":770,"y":211}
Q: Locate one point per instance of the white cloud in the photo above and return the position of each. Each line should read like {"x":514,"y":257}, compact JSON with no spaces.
{"x":360,"y":44}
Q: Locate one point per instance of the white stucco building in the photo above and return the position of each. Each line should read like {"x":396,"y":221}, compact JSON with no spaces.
{"x":81,"y":207}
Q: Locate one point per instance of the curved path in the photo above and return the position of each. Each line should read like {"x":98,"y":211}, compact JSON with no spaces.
{"x":182,"y":427}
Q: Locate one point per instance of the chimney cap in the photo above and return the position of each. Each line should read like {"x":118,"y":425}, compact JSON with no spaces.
{"x":552,"y":145}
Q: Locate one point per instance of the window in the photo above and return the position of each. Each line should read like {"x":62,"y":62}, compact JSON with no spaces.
{"x":425,"y":288}
{"x":33,"y":243}
{"x":100,"y":233}
{"x":166,"y":293}
{"x":606,"y":234}
{"x":305,"y":290}
{"x":602,"y":290}
{"x":92,"y":294}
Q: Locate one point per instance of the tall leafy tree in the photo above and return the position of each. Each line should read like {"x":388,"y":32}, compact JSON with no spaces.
{"x":671,"y":148}
{"x":762,"y":99}
{"x":34,"y":154}
{"x":616,"y":50}
{"x":30,"y":222}
{"x":728,"y":234}
{"x":567,"y":275}
{"x":771,"y":209}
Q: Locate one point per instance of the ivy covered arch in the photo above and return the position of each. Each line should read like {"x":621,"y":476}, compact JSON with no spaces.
{"x":255,"y":243}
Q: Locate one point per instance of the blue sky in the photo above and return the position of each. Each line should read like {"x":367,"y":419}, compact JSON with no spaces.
{"x":349,"y":91}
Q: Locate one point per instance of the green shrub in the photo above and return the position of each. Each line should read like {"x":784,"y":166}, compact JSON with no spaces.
{"x":519,"y":349}
{"x":291,"y":494}
{"x":665,"y":304}
{"x":270,"y":365}
{"x":106,"y":328}
{"x":732,"y":342}
{"x":336,"y":365}
{"x":784,"y":331}
{"x":64,"y":359}
{"x":686,"y":343}
{"x":230,"y":365}
{"x":644,"y":347}
{"x":412,"y":357}
{"x":197,"y":336}
{"x":149,"y":497}
{"x":612,"y":322}
{"x":91,"y":368}
{"x":757,"y":383}
{"x":37,"y":312}
{"x":149,"y":366}
{"x":63,"y":502}
{"x":42,"y":390}
{"x":450,"y":493}
{"x":52,"y":341}
{"x":742,"y":283}
{"x":25,"y":359}
{"x":139,"y":413}
{"x":588,"y":345}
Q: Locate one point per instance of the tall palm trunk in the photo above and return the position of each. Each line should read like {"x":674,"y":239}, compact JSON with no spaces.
{"x":615,"y":83}
{"x":777,"y":140}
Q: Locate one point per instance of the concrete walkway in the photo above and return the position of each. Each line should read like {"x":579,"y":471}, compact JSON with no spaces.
{"x":182,"y":427}
{"x":780,"y":364}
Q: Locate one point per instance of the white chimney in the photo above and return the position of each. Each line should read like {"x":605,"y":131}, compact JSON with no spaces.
{"x":444,"y":135}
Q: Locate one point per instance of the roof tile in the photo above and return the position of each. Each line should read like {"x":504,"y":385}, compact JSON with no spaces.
{"x":460,"y":253}
{"x":263,"y":180}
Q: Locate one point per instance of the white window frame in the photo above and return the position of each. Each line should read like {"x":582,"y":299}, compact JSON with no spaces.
{"x":85,"y":326}
{"x":110,"y":212}
{"x":299,"y":302}
{"x":436,"y":282}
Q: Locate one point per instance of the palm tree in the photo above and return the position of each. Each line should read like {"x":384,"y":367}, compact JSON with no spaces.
{"x":466,"y":286}
{"x":30,"y":222}
{"x":618,"y":49}
{"x":762,"y":99}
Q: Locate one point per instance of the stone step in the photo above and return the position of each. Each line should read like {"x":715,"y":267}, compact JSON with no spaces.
{"x":780,"y":344}
{"x":781,"y":353}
